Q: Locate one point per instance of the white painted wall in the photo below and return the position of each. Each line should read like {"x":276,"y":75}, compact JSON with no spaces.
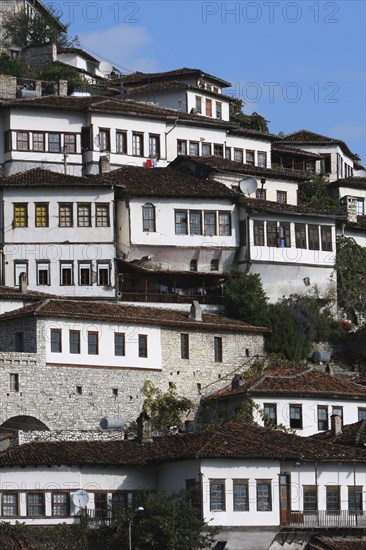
{"x":191,"y":103}
{"x":271,"y":185}
{"x":338,"y":158}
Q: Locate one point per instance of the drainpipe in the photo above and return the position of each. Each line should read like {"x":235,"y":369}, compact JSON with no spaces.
{"x":166,"y":138}
{"x":354,"y":491}
{"x":316,"y":488}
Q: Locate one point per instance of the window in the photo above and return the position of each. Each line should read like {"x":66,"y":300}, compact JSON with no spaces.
{"x":360,"y":207}
{"x":333,"y":500}
{"x":361,"y":413}
{"x":206,"y":149}
{"x":19,"y":270}
{"x":14,"y":382}
{"x":240,"y":495}
{"x":41,"y":214}
{"x":74,"y":340}
{"x":93,"y":343}
{"x":310,"y":166}
{"x":70,"y":143}
{"x":258,"y":232}
{"x":104,"y":139}
{"x":35,"y":504}
{"x":56,"y":340}
{"x":218,"y":109}
{"x":282,"y":197}
{"x":84,"y":215}
{"x":79,"y":390}
{"x":184,"y":346}
{"x":249,"y":158}
{"x":19,"y":341}
{"x":121,"y":142}
{"x":355,"y":499}
{"x":262,"y":159}
{"x":208,"y":107}
{"x":264,"y":498}
{"x":20,"y":215}
{"x":38,"y":141}
{"x":154,"y":146}
{"x":22,"y":141}
{"x":261,"y":194}
{"x":300,"y":235}
{"x":142,"y":345}
{"x":54,"y":142}
{"x":102,"y":215}
{"x":115,"y":392}
{"x":193,"y":265}
{"x":209,"y":223}
{"x":218,"y":150}
{"x":148,"y":217}
{"x":272,"y":237}
{"x":103,"y":274}
{"x":43,"y":273}
{"x":224,"y":224}
{"x":284,"y":235}
{"x":326,"y":233}
{"x":9,"y":504}
{"x":228,"y":153}
{"x":296,"y":417}
{"x":60,"y":504}
{"x":218,"y":349}
{"x":195,"y":222}
{"x":270,"y":411}
{"x":217,"y":495}
{"x":65,"y":215}
{"x":119,"y":344}
{"x":194,"y":148}
{"x":8,"y":141}
{"x":181,"y":147}
{"x":214,"y":265}
{"x":85,"y":273}
{"x":101,"y":504}
{"x":313,"y":234}
{"x":198,"y":104}
{"x":66,"y":273}
{"x":239,"y":155}
{"x":310,"y":496}
{"x":181,"y":225}
{"x":322,"y":418}
{"x":137,"y":144}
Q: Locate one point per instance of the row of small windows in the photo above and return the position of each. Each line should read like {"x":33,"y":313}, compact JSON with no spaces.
{"x":53,"y":142}
{"x":14,"y":386}
{"x":84,"y":214}
{"x":86,"y":276}
{"x":296,"y":415}
{"x":208,"y":103}
{"x":205,"y":149}
{"x":92,"y":343}
{"x":241,"y":502}
{"x":185,"y":348}
{"x":307,"y":236}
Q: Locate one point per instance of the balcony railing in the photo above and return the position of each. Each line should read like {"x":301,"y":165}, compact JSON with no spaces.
{"x":171,"y":298}
{"x":323,"y":519}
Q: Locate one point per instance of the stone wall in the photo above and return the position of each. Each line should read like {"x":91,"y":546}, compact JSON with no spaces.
{"x":39,"y":56}
{"x":70,"y":435}
{"x":8,"y":86}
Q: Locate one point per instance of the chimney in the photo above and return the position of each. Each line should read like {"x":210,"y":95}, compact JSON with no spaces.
{"x":195,"y":313}
{"x":23,"y":282}
{"x":144,"y":432}
{"x":236,"y":382}
{"x":335,"y":424}
{"x":104,"y":164}
{"x":349,"y":206}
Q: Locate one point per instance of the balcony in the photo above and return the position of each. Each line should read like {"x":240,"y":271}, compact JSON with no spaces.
{"x":143,"y":297}
{"x":322,"y":519}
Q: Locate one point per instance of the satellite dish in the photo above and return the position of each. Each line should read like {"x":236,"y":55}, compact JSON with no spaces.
{"x":248,"y":186}
{"x":80,"y":498}
{"x":282,"y":133}
{"x":105,"y":67}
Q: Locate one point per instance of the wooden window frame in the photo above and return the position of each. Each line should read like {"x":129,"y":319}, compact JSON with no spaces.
{"x":218,"y":109}
{"x":258,"y":232}
{"x":195,"y":227}
{"x":244,"y":499}
{"x":83,"y":266}
{"x":58,"y":342}
{"x":218,"y":349}
{"x":41,"y":214}
{"x":326,"y":238}
{"x":312,"y":230}
{"x":295,"y":423}
{"x":103,"y":267}
{"x":40,"y":281}
{"x":19,"y":141}
{"x":208,"y":107}
{"x":143,"y":346}
{"x":218,"y":150}
{"x":65,"y":265}
{"x":184,"y":345}
{"x":40,"y":505}
{"x":217,"y":499}
{"x":300,"y":236}
{"x":51,"y":144}
{"x":93,"y":345}
{"x":180,"y":143}
{"x":81,"y":217}
{"x":196,"y":145}
{"x":198,"y":104}
{"x":121,"y":138}
{"x":42,"y":142}
{"x":102,"y":215}
{"x":209,"y":229}
{"x":179,"y":224}
{"x":65,"y":213}
{"x":239,"y":152}
{"x":282,"y":197}
{"x":265,"y":498}
{"x":263,"y":155}
{"x":116,"y":345}
{"x":248,"y":157}
{"x":22,"y":215}
{"x":77,"y":343}
{"x":14,"y":382}
{"x":70,"y":143}
{"x":323,"y":423}
{"x":104,"y":139}
{"x":137,"y":144}
{"x":310,"y":499}
{"x":154,"y":143}
{"x":61,"y":505}
{"x":223,"y":231}
{"x":271,"y":407}
{"x":148,"y":218}
{"x":11,"y":505}
{"x":330,"y":503}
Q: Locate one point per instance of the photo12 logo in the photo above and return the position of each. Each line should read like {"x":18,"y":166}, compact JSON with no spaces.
{"x":291,"y":92}
{"x":94,"y":12}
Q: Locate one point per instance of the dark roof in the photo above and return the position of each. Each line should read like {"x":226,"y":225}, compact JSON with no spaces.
{"x":352,"y":435}
{"x":311,"y":138}
{"x":166,"y":182}
{"x":294,"y":381}
{"x":360,"y":224}
{"x":232,"y":440}
{"x":258,"y":134}
{"x":9,"y":293}
{"x":139,"y":77}
{"x":259,"y":205}
{"x":346,"y":542}
{"x":118,"y":313}
{"x":354,"y":182}
{"x":281,"y":148}
{"x":156,"y":87}
{"x":38,"y":177}
{"x":78,"y":51}
{"x":213,"y":164}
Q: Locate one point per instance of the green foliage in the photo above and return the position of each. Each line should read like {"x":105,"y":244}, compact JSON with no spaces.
{"x":164,"y":409}
{"x":286,"y":337}
{"x":55,"y":71}
{"x":351,"y":276}
{"x":15,"y":67}
{"x":253,"y":121}
{"x":245,"y":298}
{"x":315,"y":194}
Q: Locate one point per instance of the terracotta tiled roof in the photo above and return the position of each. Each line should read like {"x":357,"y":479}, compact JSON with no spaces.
{"x":118,"y":313}
{"x":166,"y":182}
{"x":157,"y":86}
{"x":38,"y":177}
{"x":311,"y":138}
{"x":232,"y":440}
{"x":354,"y":182}
{"x":9,"y":293}
{"x":182,"y":72}
{"x":352,"y":434}
{"x":281,"y":208}
{"x":213,"y":164}
{"x":299,"y":382}
{"x":78,"y":51}
{"x":337,"y":543}
{"x":360,"y":224}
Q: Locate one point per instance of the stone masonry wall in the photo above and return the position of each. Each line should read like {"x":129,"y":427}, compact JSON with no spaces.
{"x":8,"y":86}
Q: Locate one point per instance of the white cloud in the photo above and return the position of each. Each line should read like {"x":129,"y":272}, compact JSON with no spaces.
{"x":123,"y":45}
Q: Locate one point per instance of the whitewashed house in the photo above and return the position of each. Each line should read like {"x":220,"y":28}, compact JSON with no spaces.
{"x":59,"y":231}
{"x":302,"y":399}
{"x":351,"y":194}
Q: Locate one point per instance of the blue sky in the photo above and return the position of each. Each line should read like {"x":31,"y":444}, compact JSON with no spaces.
{"x":301,"y":64}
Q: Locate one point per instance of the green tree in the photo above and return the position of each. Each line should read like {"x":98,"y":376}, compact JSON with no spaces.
{"x":15,"y":67}
{"x":253,"y":121}
{"x":315,"y":194}
{"x":286,"y":337}
{"x":245,"y":298}
{"x":164,"y":409}
{"x":351,"y":276}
